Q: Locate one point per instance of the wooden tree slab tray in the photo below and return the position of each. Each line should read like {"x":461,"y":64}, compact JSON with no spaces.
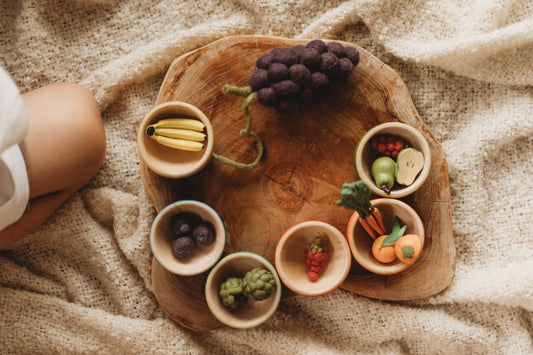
{"x":308,"y":156}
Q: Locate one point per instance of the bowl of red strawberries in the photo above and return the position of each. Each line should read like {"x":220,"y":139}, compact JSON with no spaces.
{"x":393,"y":159}
{"x":312,"y":258}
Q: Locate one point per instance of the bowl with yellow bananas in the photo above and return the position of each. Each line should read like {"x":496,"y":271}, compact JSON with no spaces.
{"x":175,"y":140}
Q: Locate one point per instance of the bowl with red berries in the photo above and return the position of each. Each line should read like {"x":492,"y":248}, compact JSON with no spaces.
{"x":187,"y":237}
{"x":312,"y":258}
{"x":393,"y":159}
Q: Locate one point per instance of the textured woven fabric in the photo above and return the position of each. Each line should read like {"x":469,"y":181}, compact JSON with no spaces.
{"x":81,"y":282}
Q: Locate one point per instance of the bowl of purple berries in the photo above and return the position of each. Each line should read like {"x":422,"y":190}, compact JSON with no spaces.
{"x":187,"y":237}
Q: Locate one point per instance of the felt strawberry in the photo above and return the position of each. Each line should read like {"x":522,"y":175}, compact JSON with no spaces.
{"x":315,"y":258}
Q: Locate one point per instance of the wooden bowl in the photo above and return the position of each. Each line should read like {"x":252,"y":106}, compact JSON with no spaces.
{"x":360,"y":241}
{"x":290,"y":258}
{"x":252,"y":313}
{"x":364,"y":157}
{"x":202,"y":258}
{"x":169,"y":162}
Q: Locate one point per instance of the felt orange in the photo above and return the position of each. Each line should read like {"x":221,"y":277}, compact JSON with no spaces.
{"x":408,"y":248}
{"x":384,"y":254}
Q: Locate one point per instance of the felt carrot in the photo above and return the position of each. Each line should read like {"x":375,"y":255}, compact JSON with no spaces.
{"x":356,"y":196}
{"x":315,"y":258}
{"x":377,"y":215}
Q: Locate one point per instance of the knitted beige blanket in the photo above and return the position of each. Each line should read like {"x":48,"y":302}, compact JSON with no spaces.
{"x":81,"y":282}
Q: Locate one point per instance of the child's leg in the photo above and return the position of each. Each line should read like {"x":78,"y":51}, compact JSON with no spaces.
{"x":64,"y":149}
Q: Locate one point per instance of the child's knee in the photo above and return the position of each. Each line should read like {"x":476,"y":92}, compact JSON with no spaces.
{"x":87,"y":125}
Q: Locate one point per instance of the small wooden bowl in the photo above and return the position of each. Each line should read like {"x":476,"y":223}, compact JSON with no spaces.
{"x":364,"y":157}
{"x":252,"y":313}
{"x":361,"y":242}
{"x":290,"y":258}
{"x":202,"y":258}
{"x":169,"y":162}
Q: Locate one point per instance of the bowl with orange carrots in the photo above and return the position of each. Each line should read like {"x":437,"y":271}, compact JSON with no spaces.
{"x":385,"y":235}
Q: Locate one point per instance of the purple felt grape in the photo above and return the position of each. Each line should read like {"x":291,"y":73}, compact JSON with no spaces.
{"x":284,"y":55}
{"x":310,"y":57}
{"x":300,"y":74}
{"x":286,"y":89}
{"x":329,"y":64}
{"x":264,"y":61}
{"x":337,"y":49}
{"x":278,"y":72}
{"x":318,"y":44}
{"x":319,"y":83}
{"x":259,"y":79}
{"x":298,"y":49}
{"x":267,"y":97}
{"x":345,"y":68}
{"x":352,"y":54}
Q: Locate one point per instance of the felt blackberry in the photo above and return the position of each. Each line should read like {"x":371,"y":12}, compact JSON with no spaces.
{"x":183,"y":247}
{"x":203,"y":234}
{"x":182,"y":224}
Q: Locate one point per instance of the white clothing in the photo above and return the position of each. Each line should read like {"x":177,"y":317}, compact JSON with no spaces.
{"x":14,"y":184}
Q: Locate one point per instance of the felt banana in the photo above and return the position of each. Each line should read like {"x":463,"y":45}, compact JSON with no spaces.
{"x":180,"y":123}
{"x":178,"y":133}
{"x":176,"y":143}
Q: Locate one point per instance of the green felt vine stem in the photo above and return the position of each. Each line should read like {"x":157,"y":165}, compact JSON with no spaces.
{"x":247,"y":92}
{"x":237,"y":90}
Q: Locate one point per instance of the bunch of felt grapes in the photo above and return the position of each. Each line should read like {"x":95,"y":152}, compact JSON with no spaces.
{"x":287,"y":78}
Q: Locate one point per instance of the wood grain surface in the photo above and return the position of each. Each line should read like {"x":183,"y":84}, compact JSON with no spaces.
{"x":308,"y":156}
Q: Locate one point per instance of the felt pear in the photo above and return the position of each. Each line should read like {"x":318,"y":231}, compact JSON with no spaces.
{"x":409,"y":163}
{"x":383,"y":171}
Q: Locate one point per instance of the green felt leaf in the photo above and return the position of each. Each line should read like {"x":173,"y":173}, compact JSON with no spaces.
{"x":396,"y":233}
{"x":408,"y":251}
{"x":395,"y":224}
